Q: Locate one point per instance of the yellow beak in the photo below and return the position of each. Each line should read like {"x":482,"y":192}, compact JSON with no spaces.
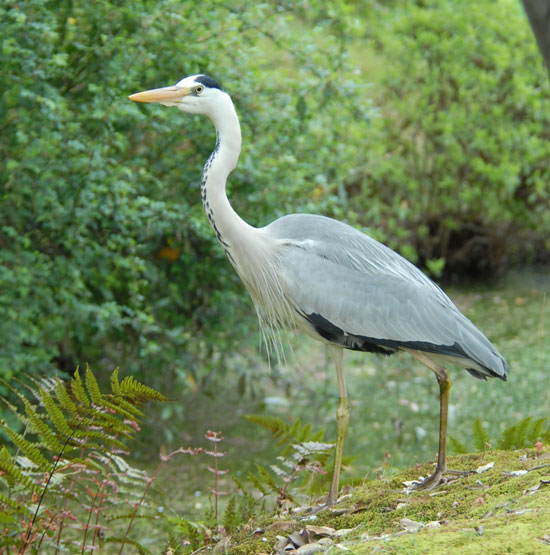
{"x":165,"y":94}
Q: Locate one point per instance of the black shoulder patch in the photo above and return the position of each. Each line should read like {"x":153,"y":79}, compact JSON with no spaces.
{"x":208,"y":82}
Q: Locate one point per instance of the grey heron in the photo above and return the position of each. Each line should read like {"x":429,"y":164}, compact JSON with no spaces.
{"x":329,"y":280}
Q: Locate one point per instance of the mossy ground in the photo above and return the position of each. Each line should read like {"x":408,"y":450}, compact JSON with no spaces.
{"x":489,"y":512}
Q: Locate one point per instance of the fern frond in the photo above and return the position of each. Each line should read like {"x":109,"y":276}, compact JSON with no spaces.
{"x":13,"y":504}
{"x":56,"y":414}
{"x":508,"y":437}
{"x":64,"y":399}
{"x":115,"y":385}
{"x":304,"y":434}
{"x":319,"y":435}
{"x":93,"y":388}
{"x":536,"y":430}
{"x":86,"y":435}
{"x":481,"y":436}
{"x":457,"y":447}
{"x":521,"y":432}
{"x":274,"y":424}
{"x":140,"y":548}
{"x":294,"y":430}
{"x":13,"y":409}
{"x":42,"y":429}
{"x":78,"y":389}
{"x":12,"y":473}
{"x":130,"y":387}
{"x":267,"y":479}
{"x":123,"y":408}
{"x":28,"y":448}
{"x":256,"y":483}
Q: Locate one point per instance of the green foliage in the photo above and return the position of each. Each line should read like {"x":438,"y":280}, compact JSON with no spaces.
{"x":105,"y":252}
{"x":524,"y":434}
{"x":285,"y":432}
{"x":482,"y":441}
{"x":302,"y":466}
{"x":456,"y":166}
{"x":68,"y":464}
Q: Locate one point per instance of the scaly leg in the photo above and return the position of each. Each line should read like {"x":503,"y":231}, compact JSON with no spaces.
{"x":444,"y":390}
{"x":342,"y":418}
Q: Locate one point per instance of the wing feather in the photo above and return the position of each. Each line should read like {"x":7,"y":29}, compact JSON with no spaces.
{"x":366,"y":290}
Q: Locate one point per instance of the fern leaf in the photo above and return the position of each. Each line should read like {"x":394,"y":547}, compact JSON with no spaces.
{"x":304,"y":434}
{"x":253,"y":479}
{"x":55,"y":413}
{"x":319,"y":435}
{"x":294,"y":430}
{"x":42,"y":429}
{"x":135,"y":390}
{"x":22,"y":418}
{"x":82,"y":437}
{"x":508,"y":438}
{"x":86,"y":462}
{"x":28,"y":448}
{"x":536,"y":430}
{"x":267,"y":478}
{"x":140,"y":548}
{"x":93,"y":388}
{"x":521,"y":432}
{"x":457,"y":447}
{"x":124,"y":408}
{"x":13,"y":504}
{"x":115,"y":385}
{"x":230,"y":516}
{"x":78,"y":389}
{"x":481,"y":437}
{"x":12,"y":473}
{"x":64,"y":399}
{"x":274,"y":424}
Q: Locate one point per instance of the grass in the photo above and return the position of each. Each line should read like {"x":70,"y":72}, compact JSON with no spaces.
{"x":489,"y":512}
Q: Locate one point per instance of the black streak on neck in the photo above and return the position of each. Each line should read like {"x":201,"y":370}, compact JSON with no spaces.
{"x":206,"y":205}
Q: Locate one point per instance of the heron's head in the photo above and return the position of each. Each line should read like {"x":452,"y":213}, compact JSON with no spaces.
{"x":197,"y":94}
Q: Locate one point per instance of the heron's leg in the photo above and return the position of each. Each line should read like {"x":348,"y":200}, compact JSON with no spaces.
{"x":444,"y":390}
{"x":342,"y":418}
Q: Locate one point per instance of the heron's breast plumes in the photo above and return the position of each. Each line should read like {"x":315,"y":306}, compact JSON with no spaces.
{"x":258,"y":265}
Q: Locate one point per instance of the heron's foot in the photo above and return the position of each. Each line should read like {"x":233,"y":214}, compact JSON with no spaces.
{"x":440,"y":477}
{"x":431,"y":482}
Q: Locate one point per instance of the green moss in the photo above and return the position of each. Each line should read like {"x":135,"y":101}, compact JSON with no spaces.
{"x":490,"y":512}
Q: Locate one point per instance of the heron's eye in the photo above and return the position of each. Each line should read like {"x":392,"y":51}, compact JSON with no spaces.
{"x":198,"y":89}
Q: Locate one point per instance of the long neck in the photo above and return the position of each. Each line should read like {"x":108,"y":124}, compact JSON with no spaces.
{"x":229,"y":227}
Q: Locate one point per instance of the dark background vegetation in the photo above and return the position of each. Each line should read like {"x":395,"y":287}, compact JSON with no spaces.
{"x":425,"y":123}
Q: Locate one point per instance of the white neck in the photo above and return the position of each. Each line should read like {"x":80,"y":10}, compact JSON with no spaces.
{"x":253,"y":253}
{"x":231,"y":230}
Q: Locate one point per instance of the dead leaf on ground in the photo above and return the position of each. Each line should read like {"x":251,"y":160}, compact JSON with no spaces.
{"x":515,"y":472}
{"x":280,"y":525}
{"x":410,"y":525}
{"x":485,"y":467}
{"x":321,"y":530}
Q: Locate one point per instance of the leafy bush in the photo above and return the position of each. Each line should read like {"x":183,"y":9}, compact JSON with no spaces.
{"x":106,"y":254}
{"x":457,"y":163}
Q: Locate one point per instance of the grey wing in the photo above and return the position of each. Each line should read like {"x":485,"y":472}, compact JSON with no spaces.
{"x":355,"y":292}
